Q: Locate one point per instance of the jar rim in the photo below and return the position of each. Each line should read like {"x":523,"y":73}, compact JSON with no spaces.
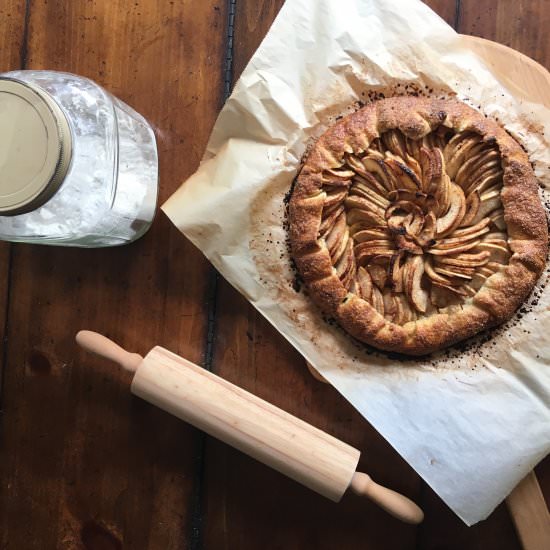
{"x":35,"y":146}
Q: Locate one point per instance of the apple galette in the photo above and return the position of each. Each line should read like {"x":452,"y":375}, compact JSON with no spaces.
{"x":417,"y":223}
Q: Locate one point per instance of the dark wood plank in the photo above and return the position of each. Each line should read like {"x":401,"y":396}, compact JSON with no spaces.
{"x":520,"y":25}
{"x":252,"y":21}
{"x":12,"y":29}
{"x":82,"y":463}
{"x":446,"y":9}
{"x":12,"y":32}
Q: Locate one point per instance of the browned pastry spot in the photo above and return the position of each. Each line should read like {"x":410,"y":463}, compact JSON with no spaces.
{"x":416,"y":223}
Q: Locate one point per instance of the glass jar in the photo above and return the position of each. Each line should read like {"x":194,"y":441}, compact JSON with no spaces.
{"x":78,"y":167}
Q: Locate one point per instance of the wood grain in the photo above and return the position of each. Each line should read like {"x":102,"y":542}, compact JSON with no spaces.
{"x":520,"y":24}
{"x":252,"y":21}
{"x":83,"y":464}
{"x":446,"y":9}
{"x":12,"y":31}
{"x":530,"y":514}
{"x":246,"y":422}
{"x":12,"y":36}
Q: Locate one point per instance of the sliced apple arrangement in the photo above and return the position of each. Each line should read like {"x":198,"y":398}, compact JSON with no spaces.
{"x":416,"y":227}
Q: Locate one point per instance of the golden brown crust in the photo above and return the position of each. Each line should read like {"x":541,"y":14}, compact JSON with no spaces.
{"x":317,"y":258}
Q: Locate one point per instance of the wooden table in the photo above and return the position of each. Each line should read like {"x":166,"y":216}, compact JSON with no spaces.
{"x":82,"y":463}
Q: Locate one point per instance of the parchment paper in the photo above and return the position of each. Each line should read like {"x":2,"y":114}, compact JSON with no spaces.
{"x":471,"y":423}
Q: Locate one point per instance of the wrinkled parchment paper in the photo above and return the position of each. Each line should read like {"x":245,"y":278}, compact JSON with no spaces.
{"x":471,"y":423}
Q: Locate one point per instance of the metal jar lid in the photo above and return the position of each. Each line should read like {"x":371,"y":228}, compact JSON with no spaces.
{"x":35,"y":147}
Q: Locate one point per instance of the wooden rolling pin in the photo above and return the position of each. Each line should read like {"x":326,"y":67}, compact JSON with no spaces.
{"x":272,"y":436}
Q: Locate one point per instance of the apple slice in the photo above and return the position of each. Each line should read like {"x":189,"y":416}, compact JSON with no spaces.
{"x":328,"y":221}
{"x":469,"y":290}
{"x":499,"y":254}
{"x":360,"y":225}
{"x":481,"y":172}
{"x":413,"y":223}
{"x":379,"y":168}
{"x":343,"y":263}
{"x":349,"y":276}
{"x":395,"y":272}
{"x":436,"y":277}
{"x":390,"y":306}
{"x":347,"y":267}
{"x":485,"y":180}
{"x":356,"y":165}
{"x":404,"y":313}
{"x":497,"y":219}
{"x":354,"y":201}
{"x":497,"y":242}
{"x":466,"y":260}
{"x":413,"y":148}
{"x":473,"y":229}
{"x":489,"y":201}
{"x":375,"y":150}
{"x":457,"y":149}
{"x":478,"y":280}
{"x":370,"y":194}
{"x":371,"y":234}
{"x":412,"y":278}
{"x":365,"y":256}
{"x":409,"y":313}
{"x":442,"y":296}
{"x":335,"y":197}
{"x":369,"y":180}
{"x":400,"y":314}
{"x":456,"y":248}
{"x":443,"y":195}
{"x":427,"y":164}
{"x":337,"y":178}
{"x":496,"y":236}
{"x":479,"y":155}
{"x":405,"y":177}
{"x":364,"y":284}
{"x":407,"y":195}
{"x":438,"y":165}
{"x":406,"y":243}
{"x":455,"y":272}
{"x":414,"y":165}
{"x":455,"y":213}
{"x":472,"y":208}
{"x":378,"y":272}
{"x":426,"y":235}
{"x":337,"y":249}
{"x":377,"y":300}
{"x":336,"y":234}
{"x":394,"y":140}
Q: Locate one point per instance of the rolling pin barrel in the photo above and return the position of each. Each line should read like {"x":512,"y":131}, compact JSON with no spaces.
{"x":242,"y":420}
{"x":261,"y":430}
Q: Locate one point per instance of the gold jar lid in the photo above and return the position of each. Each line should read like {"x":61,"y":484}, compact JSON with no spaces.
{"x":35,"y":147}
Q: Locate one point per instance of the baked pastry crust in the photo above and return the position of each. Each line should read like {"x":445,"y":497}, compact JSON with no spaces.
{"x":332,"y":261}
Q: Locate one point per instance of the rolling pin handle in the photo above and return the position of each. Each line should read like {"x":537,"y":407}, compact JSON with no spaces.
{"x":102,"y":346}
{"x":394,"y":503}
